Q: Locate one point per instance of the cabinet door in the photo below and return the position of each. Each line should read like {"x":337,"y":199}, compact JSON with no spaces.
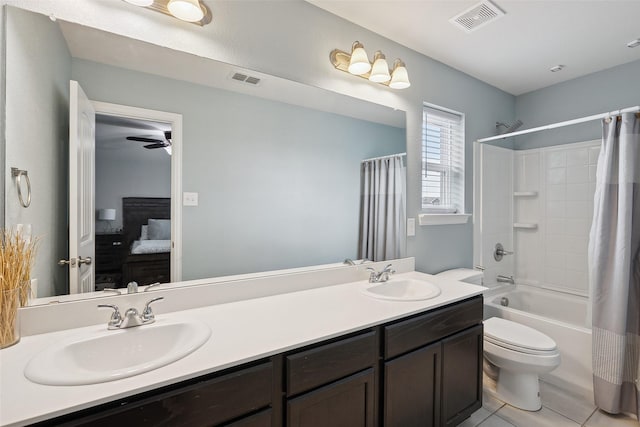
{"x":412,"y":389}
{"x":346,"y":403}
{"x":461,"y":375}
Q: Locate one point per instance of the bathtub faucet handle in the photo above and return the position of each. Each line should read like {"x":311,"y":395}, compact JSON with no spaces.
{"x":499,"y":252}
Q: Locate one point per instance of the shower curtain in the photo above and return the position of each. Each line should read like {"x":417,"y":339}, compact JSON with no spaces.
{"x":614,"y":267}
{"x":382,"y":209}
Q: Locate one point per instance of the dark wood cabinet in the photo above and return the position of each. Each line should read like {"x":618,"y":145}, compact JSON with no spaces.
{"x":412,"y":388}
{"x":461,"y":375}
{"x":346,"y":403}
{"x":433,"y":367}
{"x":424,"y":370}
{"x":230,"y":399}
{"x":109,"y":256}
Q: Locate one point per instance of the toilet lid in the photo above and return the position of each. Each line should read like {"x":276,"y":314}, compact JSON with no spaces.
{"x":512,"y":334}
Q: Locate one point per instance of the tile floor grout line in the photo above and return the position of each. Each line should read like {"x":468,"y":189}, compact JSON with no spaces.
{"x":564,"y":416}
{"x":590,"y":416}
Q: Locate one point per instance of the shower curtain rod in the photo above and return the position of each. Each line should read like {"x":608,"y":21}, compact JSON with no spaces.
{"x":384,"y":157}
{"x":562,"y":124}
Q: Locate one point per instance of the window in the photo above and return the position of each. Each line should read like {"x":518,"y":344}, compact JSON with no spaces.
{"x":442,"y":160}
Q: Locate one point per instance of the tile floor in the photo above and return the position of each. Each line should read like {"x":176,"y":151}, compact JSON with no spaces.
{"x":559,"y":409}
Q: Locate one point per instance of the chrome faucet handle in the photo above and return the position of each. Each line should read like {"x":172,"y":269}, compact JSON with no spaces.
{"x":388,"y":268}
{"x":153,"y":285}
{"x":147,"y":314}
{"x":132,"y":287}
{"x":115,"y":319}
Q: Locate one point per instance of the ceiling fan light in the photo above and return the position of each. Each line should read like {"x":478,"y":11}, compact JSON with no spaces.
{"x":359,"y":62}
{"x":399,"y":76}
{"x":380,"y":69}
{"x":186,"y":10}
{"x":141,"y":3}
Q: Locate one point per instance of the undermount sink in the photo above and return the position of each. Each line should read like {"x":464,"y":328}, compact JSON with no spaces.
{"x":113,"y":355}
{"x":403,"y":290}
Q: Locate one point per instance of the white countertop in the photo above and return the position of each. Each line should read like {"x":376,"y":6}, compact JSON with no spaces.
{"x":242,"y":331}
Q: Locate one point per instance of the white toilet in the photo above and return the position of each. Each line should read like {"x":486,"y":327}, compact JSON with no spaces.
{"x":519,"y":352}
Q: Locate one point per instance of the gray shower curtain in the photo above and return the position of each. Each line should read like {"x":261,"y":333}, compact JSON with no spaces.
{"x":382,"y":209}
{"x":614,"y":267}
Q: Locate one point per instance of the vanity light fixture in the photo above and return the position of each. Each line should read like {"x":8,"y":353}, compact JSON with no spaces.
{"x":141,"y":3}
{"x":187,"y":10}
{"x":357,"y":63}
{"x":193,"y":11}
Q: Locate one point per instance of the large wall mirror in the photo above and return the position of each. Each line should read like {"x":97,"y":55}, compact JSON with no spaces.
{"x":275,"y":165}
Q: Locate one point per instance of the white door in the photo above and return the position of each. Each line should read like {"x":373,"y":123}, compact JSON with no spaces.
{"x":82,"y":124}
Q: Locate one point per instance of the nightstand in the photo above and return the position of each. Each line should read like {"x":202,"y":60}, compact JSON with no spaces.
{"x":110,"y":254}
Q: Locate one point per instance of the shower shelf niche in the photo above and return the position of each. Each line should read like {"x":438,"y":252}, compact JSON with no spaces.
{"x":525,"y":193}
{"x":525,"y":225}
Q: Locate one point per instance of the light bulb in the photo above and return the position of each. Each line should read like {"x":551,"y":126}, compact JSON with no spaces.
{"x":359,"y":62}
{"x":187,"y":10}
{"x":380,"y":69}
{"x":399,"y":76}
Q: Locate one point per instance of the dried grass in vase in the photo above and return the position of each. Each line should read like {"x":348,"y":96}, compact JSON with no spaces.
{"x":17,"y":255}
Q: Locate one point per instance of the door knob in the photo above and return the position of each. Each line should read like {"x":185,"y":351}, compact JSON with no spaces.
{"x":86,"y":260}
{"x":70,"y":262}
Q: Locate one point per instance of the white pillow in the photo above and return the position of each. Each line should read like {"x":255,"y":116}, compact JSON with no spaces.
{"x":144,"y":232}
{"x":159,"y":229}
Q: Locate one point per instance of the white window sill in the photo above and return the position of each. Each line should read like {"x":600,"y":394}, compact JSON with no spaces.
{"x":443,"y":219}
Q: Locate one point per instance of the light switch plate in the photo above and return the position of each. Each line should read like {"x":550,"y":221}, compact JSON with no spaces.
{"x":189,"y":199}
{"x":411,"y":227}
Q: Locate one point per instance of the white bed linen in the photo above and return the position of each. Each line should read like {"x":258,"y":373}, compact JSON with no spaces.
{"x":150,"y":246}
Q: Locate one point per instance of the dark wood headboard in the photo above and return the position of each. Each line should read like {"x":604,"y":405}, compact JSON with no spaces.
{"x":136,"y":212}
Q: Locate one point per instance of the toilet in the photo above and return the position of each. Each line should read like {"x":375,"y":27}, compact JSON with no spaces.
{"x":519,"y":353}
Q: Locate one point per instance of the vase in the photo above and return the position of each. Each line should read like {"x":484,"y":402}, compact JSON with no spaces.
{"x":9,"y":327}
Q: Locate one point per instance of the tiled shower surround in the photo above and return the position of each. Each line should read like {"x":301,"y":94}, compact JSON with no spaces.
{"x":543,"y":214}
{"x":552,"y":211}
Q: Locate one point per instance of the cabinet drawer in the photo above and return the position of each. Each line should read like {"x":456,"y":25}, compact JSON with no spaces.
{"x":207,"y":403}
{"x":321,"y":365}
{"x":410,"y":334}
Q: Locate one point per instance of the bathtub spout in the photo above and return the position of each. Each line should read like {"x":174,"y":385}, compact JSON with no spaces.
{"x":505,"y":279}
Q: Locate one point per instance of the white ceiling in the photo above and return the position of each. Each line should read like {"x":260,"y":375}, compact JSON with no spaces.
{"x":514,"y":52}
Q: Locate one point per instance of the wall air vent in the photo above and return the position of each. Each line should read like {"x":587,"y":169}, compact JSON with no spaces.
{"x":245,"y":78}
{"x":477,"y":16}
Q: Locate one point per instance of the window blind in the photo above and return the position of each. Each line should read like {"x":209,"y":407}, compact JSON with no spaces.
{"x":442,"y":161}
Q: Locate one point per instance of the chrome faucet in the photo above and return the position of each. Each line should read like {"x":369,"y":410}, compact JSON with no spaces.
{"x":131,"y":317}
{"x":505,"y":279}
{"x":380,"y":276}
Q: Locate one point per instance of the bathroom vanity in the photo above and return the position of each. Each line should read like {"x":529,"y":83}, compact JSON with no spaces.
{"x":324,"y":356}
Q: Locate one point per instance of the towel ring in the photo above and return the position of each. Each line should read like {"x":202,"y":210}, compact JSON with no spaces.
{"x":18,"y":174}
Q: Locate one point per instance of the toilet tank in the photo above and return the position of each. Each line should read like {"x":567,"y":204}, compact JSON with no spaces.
{"x":466,"y":275}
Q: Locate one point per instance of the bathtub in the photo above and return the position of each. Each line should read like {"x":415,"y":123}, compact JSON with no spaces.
{"x":563,"y":317}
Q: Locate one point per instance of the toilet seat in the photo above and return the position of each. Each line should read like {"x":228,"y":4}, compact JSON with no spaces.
{"x":517,"y":337}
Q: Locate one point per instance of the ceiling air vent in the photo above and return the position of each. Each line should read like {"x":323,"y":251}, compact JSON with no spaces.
{"x":477,"y":16}
{"x":245,"y":78}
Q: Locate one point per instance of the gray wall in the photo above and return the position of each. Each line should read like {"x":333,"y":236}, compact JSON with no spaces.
{"x":595,"y":93}
{"x":37,"y":129}
{"x":292,"y":39}
{"x":278,"y":185}
{"x":128,"y":171}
